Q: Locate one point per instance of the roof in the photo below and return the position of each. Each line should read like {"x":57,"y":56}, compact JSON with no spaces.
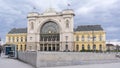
{"x":109,"y":45}
{"x":17,"y":30}
{"x":89,"y":28}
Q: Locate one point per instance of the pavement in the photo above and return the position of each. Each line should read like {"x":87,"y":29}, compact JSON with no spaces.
{"x":6,"y":62}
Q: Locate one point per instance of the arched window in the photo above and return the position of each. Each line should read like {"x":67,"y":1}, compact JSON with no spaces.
{"x":17,"y":39}
{"x":25,"y":47}
{"x":83,"y":48}
{"x":100,"y":47}
{"x":77,"y":47}
{"x":88,"y":47}
{"x":32,"y":25}
{"x":21,"y":39}
{"x":21,"y":47}
{"x":94,"y":47}
{"x":67,"y":23}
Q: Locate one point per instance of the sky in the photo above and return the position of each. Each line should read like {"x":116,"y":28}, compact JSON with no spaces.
{"x":13,"y":14}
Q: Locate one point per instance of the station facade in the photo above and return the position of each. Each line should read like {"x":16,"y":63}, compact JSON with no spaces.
{"x":54,"y":31}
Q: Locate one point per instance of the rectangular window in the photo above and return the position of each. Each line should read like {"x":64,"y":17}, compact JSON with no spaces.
{"x":77,"y":38}
{"x":83,"y":38}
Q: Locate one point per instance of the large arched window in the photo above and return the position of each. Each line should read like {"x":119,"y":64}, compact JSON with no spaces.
{"x":50,"y":31}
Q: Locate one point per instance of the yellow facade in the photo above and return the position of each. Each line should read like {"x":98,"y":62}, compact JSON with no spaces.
{"x":19,"y":39}
{"x":90,"y":40}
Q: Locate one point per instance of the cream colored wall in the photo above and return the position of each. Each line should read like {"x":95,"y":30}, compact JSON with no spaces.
{"x":97,"y":42}
{"x":21,"y":45}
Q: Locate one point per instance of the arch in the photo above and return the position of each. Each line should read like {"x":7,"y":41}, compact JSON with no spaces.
{"x":83,"y":47}
{"x":47,"y":20}
{"x":49,"y":27}
{"x":100,"y":47}
{"x":94,"y":47}
{"x":77,"y":47}
{"x":88,"y":47}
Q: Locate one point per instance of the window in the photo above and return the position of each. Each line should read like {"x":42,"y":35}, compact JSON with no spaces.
{"x":25,"y":47}
{"x":77,"y":47}
{"x":66,"y":47}
{"x":58,"y":47}
{"x":26,"y":39}
{"x":100,"y":47}
{"x":32,"y":25}
{"x":94,"y":38}
{"x":30,"y":38}
{"x":21,"y":39}
{"x":100,"y":37}
{"x":21,"y":47}
{"x":41,"y":47}
{"x":94,"y":47}
{"x":88,"y":47}
{"x":83,"y":48}
{"x":88,"y":37}
{"x":8,"y":39}
{"x":17,"y":39}
{"x":82,"y":38}
{"x":77,"y":38}
{"x":67,"y":23}
{"x":13,"y":39}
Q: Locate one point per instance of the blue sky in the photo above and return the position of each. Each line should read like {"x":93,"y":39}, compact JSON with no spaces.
{"x":13,"y":14}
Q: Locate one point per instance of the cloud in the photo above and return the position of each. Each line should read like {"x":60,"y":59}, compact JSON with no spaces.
{"x":112,"y":29}
{"x":94,"y":5}
{"x":44,"y":4}
{"x":104,"y":12}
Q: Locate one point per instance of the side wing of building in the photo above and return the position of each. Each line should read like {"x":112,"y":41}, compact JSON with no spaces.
{"x":89,"y":38}
{"x":18,"y":37}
